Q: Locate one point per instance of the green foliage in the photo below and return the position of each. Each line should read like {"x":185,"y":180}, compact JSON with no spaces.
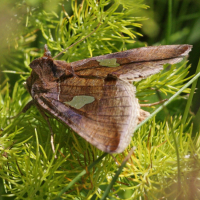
{"x":115,"y":19}
{"x":28,"y":166}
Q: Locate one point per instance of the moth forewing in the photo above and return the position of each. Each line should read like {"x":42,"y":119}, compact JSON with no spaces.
{"x":94,"y":96}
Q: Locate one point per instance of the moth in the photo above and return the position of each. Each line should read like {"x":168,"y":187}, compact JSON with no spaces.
{"x":95,"y":97}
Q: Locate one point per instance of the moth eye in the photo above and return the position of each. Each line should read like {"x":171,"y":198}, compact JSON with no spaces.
{"x":79,"y":101}
{"x":109,"y":62}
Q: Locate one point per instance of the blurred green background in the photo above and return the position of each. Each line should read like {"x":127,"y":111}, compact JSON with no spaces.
{"x":169,"y":22}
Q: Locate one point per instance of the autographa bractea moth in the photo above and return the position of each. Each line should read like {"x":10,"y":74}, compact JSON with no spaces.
{"x":95,"y":96}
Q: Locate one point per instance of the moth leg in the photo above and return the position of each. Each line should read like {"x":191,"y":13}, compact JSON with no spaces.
{"x":153,"y":104}
{"x":51,"y":131}
{"x":26,"y":107}
{"x":143,"y":115}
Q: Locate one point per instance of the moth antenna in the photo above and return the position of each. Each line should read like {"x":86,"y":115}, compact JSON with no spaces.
{"x":47,"y":53}
{"x":78,"y":41}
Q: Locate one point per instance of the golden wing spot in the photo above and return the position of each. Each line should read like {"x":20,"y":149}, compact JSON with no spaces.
{"x":79,"y":101}
{"x":112,"y":62}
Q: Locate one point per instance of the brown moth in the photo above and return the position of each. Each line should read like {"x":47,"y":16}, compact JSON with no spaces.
{"x":95,"y":96}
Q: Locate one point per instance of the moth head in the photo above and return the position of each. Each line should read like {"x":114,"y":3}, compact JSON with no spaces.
{"x":46,"y":68}
{"x":43,"y":68}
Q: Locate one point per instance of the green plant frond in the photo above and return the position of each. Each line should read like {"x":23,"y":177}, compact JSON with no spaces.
{"x":133,"y":4}
{"x":28,"y":166}
{"x":82,"y":23}
{"x":153,"y":164}
{"x":150,"y":169}
{"x":168,"y":81}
